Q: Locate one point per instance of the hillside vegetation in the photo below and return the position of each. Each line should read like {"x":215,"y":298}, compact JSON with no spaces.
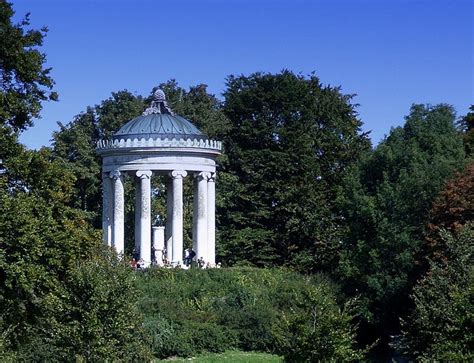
{"x":250,"y":309}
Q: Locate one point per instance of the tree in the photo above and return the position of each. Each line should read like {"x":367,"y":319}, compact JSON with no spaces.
{"x":291,"y":141}
{"x":451,"y":211}
{"x":49,"y":258}
{"x":25,"y":83}
{"x":40,"y":239}
{"x":467,"y":127}
{"x":441,"y":325}
{"x":386,"y":205}
{"x":75,"y":144}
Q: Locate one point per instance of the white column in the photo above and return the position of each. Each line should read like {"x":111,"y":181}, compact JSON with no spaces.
{"x":145,"y":216}
{"x":201,"y":222}
{"x":211,"y":219}
{"x":138,"y":211}
{"x":169,"y":220}
{"x":107,"y":208}
{"x":177,"y":220}
{"x":159,"y":244}
{"x":118,"y":225}
{"x":195,"y":214}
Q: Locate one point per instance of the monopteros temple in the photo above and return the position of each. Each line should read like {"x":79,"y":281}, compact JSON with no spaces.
{"x":160,"y":143}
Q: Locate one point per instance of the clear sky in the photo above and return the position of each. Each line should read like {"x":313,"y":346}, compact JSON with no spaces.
{"x":390,"y":53}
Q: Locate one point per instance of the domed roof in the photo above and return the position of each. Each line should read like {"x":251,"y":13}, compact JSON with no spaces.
{"x":159,"y":126}
{"x":158,"y":122}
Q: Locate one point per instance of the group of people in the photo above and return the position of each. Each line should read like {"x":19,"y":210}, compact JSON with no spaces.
{"x":189,"y":257}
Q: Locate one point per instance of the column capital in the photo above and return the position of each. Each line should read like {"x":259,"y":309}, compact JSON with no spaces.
{"x":212,"y":177}
{"x":203,"y":175}
{"x":144,"y":174}
{"x":115,"y":174}
{"x":178,"y":174}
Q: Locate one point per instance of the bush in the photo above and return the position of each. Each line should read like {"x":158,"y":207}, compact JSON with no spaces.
{"x":101,"y":320}
{"x":194,"y":311}
{"x":441,"y":325}
{"x":62,"y":293}
{"x":96,"y":318}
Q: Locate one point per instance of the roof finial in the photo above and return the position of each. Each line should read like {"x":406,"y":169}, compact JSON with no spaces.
{"x":159,"y":104}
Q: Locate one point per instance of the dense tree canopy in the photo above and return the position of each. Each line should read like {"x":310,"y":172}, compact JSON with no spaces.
{"x":386,"y":204}
{"x":45,"y":246}
{"x":25,"y":82}
{"x":440,"y":328}
{"x":451,"y":211}
{"x":290,"y":143}
{"x":467,"y":127}
{"x":76,"y":141}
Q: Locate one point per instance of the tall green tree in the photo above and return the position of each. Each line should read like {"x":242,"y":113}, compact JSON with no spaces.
{"x":25,"y":82}
{"x":386,"y":205}
{"x":76,"y":141}
{"x":467,"y":127}
{"x":48,"y":312}
{"x":440,"y":328}
{"x":49,"y":258}
{"x":290,"y":143}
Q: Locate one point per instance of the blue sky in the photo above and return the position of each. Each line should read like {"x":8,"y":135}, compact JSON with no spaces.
{"x":390,"y":53}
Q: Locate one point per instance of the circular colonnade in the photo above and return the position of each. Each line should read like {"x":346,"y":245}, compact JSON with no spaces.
{"x":160,"y":143}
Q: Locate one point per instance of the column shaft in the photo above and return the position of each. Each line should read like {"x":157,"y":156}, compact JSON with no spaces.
{"x":145,"y":216}
{"x":169,"y":219}
{"x":195,"y":214}
{"x":201,"y":223}
{"x":211,"y":221}
{"x":118,"y":224}
{"x":138,"y":211}
{"x":107,"y":208}
{"x":177,"y":221}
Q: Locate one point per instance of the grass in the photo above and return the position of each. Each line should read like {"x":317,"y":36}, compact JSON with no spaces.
{"x":230,"y":356}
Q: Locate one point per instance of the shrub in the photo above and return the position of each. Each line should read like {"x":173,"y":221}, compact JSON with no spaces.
{"x":190,"y":312}
{"x":96,"y":317}
{"x":441,"y":325}
{"x":62,"y":293}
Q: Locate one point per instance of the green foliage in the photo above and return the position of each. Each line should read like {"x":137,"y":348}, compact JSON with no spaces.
{"x":451,"y":211}
{"x":25,"y":81}
{"x":290,"y":142}
{"x":194,"y":311}
{"x":38,"y":244}
{"x":319,"y":333}
{"x":467,"y":128}
{"x":441,"y":326}
{"x":101,"y":320}
{"x":74,"y":144}
{"x":386,"y":204}
{"x":61,"y":295}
